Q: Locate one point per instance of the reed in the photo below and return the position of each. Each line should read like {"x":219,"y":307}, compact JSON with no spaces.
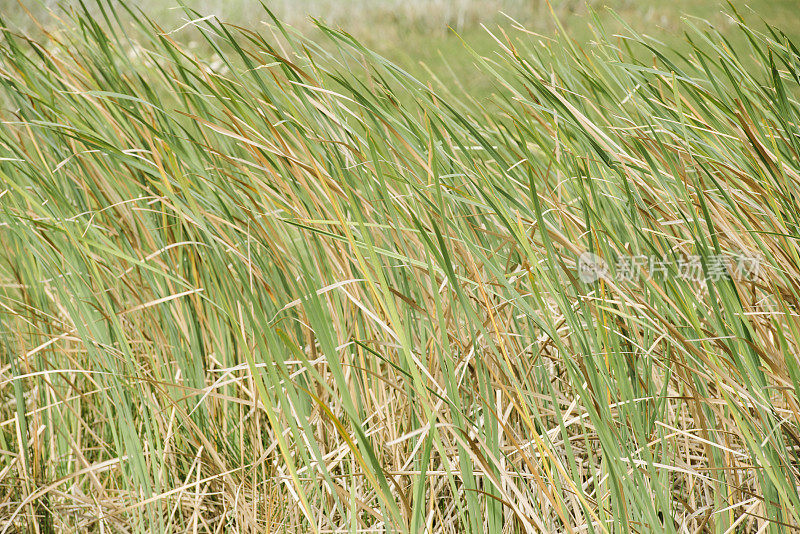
{"x":292,"y":288}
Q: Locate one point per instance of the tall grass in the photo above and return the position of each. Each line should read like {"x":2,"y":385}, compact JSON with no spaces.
{"x":270,"y":294}
{"x":358,"y":16}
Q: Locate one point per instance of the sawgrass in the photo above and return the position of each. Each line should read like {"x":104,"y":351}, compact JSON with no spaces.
{"x":289,"y":287}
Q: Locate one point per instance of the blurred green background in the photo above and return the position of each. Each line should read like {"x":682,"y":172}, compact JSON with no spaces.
{"x":429,"y":36}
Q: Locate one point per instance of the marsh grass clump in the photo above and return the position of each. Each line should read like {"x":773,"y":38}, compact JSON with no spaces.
{"x":291,"y":288}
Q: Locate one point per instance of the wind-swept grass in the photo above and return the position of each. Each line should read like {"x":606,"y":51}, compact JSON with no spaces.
{"x":301,"y":291}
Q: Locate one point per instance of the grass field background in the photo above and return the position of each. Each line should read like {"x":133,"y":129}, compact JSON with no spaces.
{"x":255,"y":279}
{"x":432,"y":36}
